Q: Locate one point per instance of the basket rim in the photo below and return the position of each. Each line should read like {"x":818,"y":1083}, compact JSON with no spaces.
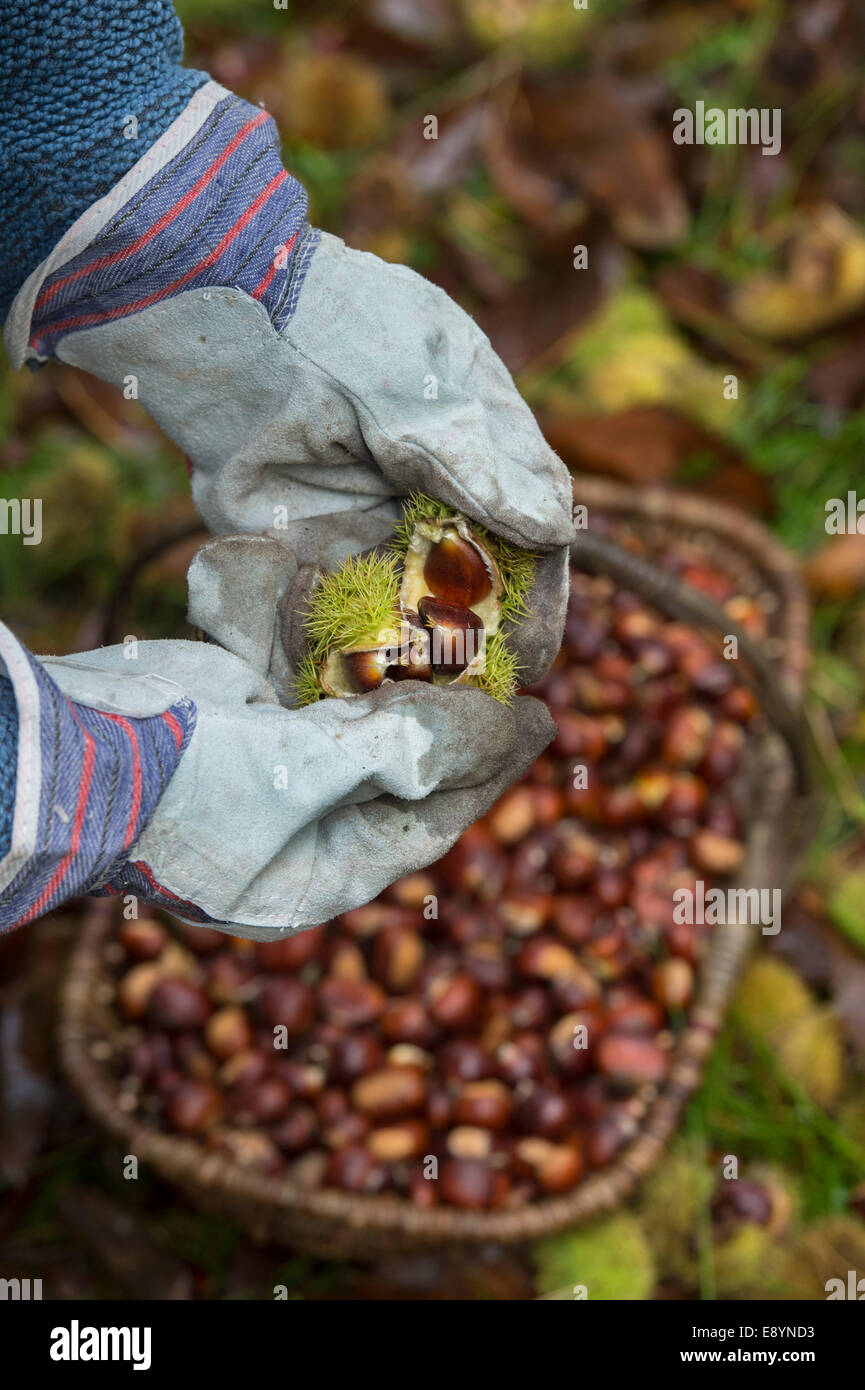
{"x":185,"y":1162}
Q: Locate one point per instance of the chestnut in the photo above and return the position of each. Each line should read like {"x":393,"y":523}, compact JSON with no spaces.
{"x":390,"y":1092}
{"x":513,"y":815}
{"x":177,"y":1005}
{"x":227,"y":1032}
{"x":483,"y":1103}
{"x":716,"y":854}
{"x":555,"y":1167}
{"x":350,"y":1003}
{"x":395,"y":1143}
{"x":248,"y":1148}
{"x":260,"y":1102}
{"x":454,"y":1001}
{"x":356,"y":1054}
{"x":286,"y":1002}
{"x":463,"y":1059}
{"x":455,"y":571}
{"x":291,"y":952}
{"x":297,"y":1131}
{"x":630,"y":1060}
{"x":354,"y":1169}
{"x":467,"y":1183}
{"x":193,"y":1106}
{"x":142,"y":938}
{"x":397,"y":956}
{"x":456,"y":634}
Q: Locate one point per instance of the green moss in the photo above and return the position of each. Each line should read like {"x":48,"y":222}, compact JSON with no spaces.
{"x":610,"y":1257}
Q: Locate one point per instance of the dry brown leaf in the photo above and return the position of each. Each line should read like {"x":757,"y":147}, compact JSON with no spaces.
{"x":837,"y":569}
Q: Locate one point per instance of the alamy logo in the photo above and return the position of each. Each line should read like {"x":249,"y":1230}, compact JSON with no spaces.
{"x":20,"y":1290}
{"x":77,"y":1343}
{"x":845,"y":516}
{"x":738,"y":126}
{"x":716,"y":907}
{"x":21,"y":516}
{"x":854,"y":1288}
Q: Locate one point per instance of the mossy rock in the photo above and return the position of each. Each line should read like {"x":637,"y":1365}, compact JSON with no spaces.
{"x":611,"y":1258}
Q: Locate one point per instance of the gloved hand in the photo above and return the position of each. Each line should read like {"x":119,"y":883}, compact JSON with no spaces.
{"x":311,"y":387}
{"x":278,"y":819}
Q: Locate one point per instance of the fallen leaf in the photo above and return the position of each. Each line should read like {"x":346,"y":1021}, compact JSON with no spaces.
{"x":837,"y":569}
{"x":820,"y":281}
{"x":646,"y":444}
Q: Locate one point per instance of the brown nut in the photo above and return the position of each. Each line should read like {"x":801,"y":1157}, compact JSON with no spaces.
{"x":286,"y":1002}
{"x":228,"y":1032}
{"x":297,"y":1131}
{"x":454,"y":1001}
{"x":456,"y":634}
{"x":230,"y":978}
{"x":249,"y":1148}
{"x":390,"y":1092}
{"x":486,"y":1104}
{"x":354,"y":1055}
{"x":260,"y":1102}
{"x":291,"y":952}
{"x":177,"y":1005}
{"x":469,"y":1141}
{"x":513,"y":815}
{"x":556,"y":1167}
{"x":407,"y":1021}
{"x":631,"y":1061}
{"x":396,"y":1143}
{"x":143,"y":938}
{"x":673,"y":983}
{"x":397,"y":957}
{"x":193,"y":1106}
{"x":716,"y":854}
{"x":351,"y":1003}
{"x":354,"y":1169}
{"x":467,"y":1183}
{"x":687,"y":735}
{"x":455,"y":571}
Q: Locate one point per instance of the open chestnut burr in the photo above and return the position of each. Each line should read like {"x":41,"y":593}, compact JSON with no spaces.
{"x":433,"y":604}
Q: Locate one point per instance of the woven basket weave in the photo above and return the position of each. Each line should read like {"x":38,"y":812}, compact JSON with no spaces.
{"x":331,"y":1223}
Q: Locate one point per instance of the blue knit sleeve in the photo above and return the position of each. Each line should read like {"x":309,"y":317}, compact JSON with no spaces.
{"x":8,"y":761}
{"x":85,"y":88}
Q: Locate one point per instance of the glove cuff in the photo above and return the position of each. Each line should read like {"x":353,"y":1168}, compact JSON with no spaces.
{"x":209,"y":204}
{"x":87,"y":783}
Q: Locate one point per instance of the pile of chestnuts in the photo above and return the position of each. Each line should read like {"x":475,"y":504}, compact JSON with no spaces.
{"x":491,"y":1029}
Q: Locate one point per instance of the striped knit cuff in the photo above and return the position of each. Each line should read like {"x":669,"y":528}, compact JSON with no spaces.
{"x":87,"y":784}
{"x":209,"y":205}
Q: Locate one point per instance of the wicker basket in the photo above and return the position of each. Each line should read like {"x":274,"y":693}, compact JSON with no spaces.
{"x":330,"y":1223}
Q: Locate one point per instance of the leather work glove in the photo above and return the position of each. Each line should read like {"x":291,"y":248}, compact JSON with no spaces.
{"x":311,"y":388}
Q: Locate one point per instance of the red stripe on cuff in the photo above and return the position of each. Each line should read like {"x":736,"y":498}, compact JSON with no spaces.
{"x":164,"y":220}
{"x":122,"y":310}
{"x":135,"y":806}
{"x":62,"y":869}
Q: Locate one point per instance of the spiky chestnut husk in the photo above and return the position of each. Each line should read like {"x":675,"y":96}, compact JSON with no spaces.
{"x":827,"y":1249}
{"x":673,"y":1200}
{"x":611,"y":1258}
{"x":357,"y":617}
